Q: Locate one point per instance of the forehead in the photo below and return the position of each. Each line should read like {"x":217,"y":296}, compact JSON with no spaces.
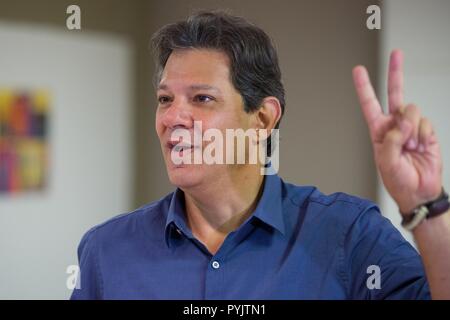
{"x":190,"y":66}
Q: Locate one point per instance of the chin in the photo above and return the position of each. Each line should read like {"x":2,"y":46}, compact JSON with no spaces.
{"x":185,"y":176}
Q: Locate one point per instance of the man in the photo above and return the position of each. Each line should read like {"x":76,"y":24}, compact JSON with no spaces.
{"x":228,"y":232}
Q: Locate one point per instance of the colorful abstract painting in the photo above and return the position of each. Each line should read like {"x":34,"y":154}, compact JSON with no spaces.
{"x":23,"y":140}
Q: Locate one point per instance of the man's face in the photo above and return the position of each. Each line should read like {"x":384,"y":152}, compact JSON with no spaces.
{"x":196,"y":86}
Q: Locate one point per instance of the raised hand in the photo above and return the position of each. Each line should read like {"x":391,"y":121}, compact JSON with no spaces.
{"x":405,"y":146}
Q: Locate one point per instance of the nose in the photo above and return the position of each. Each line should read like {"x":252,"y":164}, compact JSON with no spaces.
{"x":177,"y":115}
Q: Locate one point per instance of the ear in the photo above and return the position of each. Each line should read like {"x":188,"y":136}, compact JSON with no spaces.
{"x":268,"y":115}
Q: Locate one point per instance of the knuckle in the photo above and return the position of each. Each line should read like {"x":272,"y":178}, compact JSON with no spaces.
{"x":392,"y":136}
{"x":412,"y":109}
{"x":412,"y":113}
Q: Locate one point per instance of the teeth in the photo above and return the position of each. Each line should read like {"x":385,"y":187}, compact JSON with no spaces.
{"x":179,"y":148}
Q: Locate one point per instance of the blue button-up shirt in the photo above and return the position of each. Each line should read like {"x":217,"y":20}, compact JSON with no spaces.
{"x":297,"y":244}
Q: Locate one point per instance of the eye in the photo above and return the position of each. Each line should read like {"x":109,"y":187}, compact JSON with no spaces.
{"x":203,"y":98}
{"x":164,"y":99}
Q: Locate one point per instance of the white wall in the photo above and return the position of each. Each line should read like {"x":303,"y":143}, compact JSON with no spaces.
{"x":89,"y":78}
{"x":421,"y":29}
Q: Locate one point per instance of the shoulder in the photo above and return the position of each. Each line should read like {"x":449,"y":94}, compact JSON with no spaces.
{"x":344,"y":207}
{"x":340,"y":208}
{"x":128,"y":225}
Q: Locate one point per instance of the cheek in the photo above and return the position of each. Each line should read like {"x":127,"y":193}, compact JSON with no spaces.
{"x":226,"y":120}
{"x":236,"y":121}
{"x":159,"y":127}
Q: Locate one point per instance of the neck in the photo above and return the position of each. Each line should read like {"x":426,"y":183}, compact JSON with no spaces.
{"x":219,"y":208}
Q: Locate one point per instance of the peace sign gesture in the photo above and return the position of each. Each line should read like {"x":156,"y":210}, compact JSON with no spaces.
{"x":405,"y":146}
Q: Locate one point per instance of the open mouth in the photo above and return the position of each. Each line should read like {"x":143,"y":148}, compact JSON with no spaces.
{"x":176,"y":146}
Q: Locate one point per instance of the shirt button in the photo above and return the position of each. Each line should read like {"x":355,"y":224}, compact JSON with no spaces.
{"x":215,"y":265}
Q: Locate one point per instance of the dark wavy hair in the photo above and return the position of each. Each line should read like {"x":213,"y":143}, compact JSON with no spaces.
{"x":254,"y":69}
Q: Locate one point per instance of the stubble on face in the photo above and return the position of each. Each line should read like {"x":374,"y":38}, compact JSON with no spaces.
{"x":188,"y":78}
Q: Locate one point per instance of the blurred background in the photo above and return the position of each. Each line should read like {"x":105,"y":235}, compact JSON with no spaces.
{"x":80,"y":146}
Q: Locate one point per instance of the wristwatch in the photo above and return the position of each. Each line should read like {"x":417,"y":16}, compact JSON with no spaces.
{"x":427,"y":210}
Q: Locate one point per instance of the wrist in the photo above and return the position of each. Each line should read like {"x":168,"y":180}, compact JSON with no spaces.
{"x":427,"y":210}
{"x":432,"y":226}
{"x":408,"y":205}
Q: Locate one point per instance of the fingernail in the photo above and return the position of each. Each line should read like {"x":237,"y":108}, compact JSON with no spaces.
{"x":421,"y":147}
{"x":412,"y":144}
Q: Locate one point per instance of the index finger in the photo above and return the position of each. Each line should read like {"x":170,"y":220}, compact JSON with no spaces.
{"x":369,"y":103}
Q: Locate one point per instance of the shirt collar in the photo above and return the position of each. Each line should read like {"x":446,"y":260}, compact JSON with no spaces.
{"x":269,"y":210}
{"x":176,"y":223}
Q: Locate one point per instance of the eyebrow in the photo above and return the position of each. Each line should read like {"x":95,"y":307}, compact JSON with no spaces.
{"x":193,"y":87}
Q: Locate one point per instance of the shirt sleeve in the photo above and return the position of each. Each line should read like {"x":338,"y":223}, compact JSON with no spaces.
{"x":380,"y":263}
{"x":89,"y":280}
